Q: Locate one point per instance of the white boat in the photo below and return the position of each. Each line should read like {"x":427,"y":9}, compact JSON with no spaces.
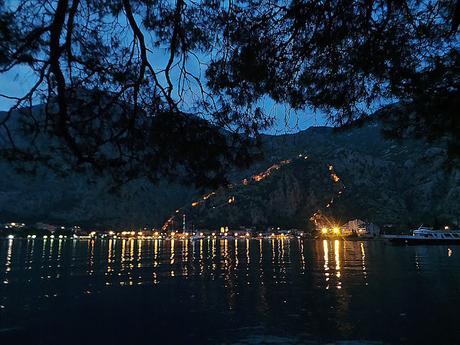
{"x":424,"y":235}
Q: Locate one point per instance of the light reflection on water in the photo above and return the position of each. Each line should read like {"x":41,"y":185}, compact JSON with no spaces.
{"x":316,"y":291}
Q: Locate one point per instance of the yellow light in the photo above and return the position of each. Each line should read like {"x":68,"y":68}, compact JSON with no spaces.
{"x":156,"y":233}
{"x":336,"y":230}
{"x":205,"y":197}
{"x":324,"y":230}
{"x":247,"y":234}
{"x":201,"y":234}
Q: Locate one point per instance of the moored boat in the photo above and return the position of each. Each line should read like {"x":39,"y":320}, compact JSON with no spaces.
{"x":424,"y":235}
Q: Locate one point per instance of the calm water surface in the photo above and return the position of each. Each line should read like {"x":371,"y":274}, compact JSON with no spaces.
{"x":227,"y":292}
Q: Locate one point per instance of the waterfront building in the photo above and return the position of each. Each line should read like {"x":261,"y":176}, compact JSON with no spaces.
{"x":360,"y":228}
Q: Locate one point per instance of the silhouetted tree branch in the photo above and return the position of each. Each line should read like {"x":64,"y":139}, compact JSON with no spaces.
{"x":110,"y":74}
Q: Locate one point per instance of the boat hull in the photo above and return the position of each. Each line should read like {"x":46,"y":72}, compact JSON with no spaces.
{"x":410,"y":240}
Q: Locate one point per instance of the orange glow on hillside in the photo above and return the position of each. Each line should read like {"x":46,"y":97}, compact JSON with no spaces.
{"x":207,"y":196}
{"x":270,"y":170}
{"x":335,"y":177}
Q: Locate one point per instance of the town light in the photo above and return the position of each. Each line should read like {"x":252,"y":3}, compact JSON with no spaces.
{"x":336,"y":230}
{"x":324,"y":230}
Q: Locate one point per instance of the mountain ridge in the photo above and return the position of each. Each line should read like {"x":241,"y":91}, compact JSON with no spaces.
{"x":386,"y":181}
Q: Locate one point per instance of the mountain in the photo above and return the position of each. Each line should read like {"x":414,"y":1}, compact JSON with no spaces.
{"x":354,"y":173}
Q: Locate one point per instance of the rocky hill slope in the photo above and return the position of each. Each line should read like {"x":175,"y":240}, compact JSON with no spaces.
{"x":350,"y":174}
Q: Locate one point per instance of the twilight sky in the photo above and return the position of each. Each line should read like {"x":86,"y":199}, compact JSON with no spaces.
{"x":18,"y":81}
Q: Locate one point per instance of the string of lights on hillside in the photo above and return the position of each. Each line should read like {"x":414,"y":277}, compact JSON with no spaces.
{"x":318,"y":218}
{"x":256,"y":179}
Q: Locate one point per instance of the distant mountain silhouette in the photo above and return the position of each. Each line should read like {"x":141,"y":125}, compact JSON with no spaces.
{"x":355,"y":173}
